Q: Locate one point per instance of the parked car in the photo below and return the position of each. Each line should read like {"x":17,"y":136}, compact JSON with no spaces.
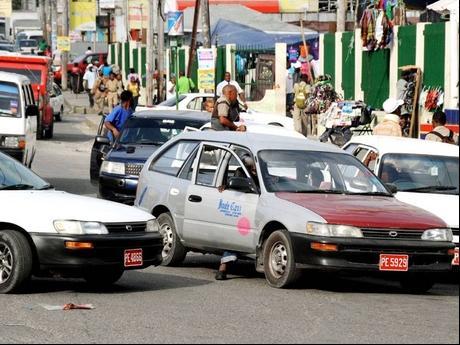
{"x":142,"y":135}
{"x":66,"y":234}
{"x":6,"y":46}
{"x":18,"y":118}
{"x":425,"y":173}
{"x":37,"y":69}
{"x":27,"y":46}
{"x":310,"y":206}
{"x":83,"y":61}
{"x":57,"y":102}
{"x":196,"y":101}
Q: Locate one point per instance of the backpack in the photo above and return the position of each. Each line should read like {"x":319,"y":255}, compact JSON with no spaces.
{"x":301,"y":97}
{"x":445,"y":139}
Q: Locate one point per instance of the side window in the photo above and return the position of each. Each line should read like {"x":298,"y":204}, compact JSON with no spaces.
{"x":361,"y":153}
{"x":187,"y":170}
{"x":208,"y":165}
{"x":172,"y":160}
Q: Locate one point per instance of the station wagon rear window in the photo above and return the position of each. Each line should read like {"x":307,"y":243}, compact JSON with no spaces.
{"x":10,"y":100}
{"x":170,"y":162}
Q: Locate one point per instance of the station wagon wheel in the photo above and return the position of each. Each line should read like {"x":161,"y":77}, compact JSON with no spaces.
{"x":15,"y":261}
{"x":173,"y":251}
{"x":279,"y":262}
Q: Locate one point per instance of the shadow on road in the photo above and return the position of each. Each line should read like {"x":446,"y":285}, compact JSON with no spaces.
{"x":132,"y":282}
{"x":72,"y":137}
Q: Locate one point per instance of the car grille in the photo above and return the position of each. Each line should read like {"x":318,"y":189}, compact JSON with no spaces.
{"x":126,"y":228}
{"x":392,"y":234}
{"x":133,"y":169}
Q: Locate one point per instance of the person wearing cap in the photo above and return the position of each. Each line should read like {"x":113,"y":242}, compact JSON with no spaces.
{"x":391,"y":124}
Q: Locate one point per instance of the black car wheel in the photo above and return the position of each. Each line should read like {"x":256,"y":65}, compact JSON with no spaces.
{"x":173,"y":251}
{"x":15,"y":261}
{"x":279,"y":262}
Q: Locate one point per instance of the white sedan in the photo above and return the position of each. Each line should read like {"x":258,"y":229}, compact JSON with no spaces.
{"x":425,"y":173}
{"x":57,"y":102}
{"x":45,"y":232}
{"x":196,"y":101}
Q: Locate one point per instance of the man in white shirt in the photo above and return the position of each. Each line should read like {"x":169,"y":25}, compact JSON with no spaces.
{"x":228,"y":81}
{"x":90,"y":78}
{"x":88,"y":51}
{"x":441,"y":133}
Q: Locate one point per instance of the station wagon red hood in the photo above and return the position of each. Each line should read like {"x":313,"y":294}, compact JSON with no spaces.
{"x":365,"y":211}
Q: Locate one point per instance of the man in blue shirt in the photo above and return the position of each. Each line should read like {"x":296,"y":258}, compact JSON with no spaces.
{"x":115,"y":121}
{"x":106,"y":69}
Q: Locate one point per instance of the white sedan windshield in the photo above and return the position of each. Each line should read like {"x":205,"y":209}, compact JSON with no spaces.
{"x":14,"y":176}
{"x":317,"y":172}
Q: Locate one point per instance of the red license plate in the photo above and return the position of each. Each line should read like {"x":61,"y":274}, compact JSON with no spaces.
{"x":134,"y":258}
{"x":394,"y":262}
{"x":455,"y":261}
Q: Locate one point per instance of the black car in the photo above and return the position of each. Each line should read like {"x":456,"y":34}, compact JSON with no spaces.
{"x":117,"y":168}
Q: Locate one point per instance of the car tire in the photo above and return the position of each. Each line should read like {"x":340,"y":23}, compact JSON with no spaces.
{"x":174,"y":252}
{"x":48,"y":133}
{"x":15,"y":261}
{"x":58,"y":116}
{"x":417,"y":284}
{"x":279,"y":261}
{"x":103,"y":277}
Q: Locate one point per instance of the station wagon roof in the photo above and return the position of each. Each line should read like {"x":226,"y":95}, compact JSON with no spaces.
{"x":258,"y":142}
{"x":386,"y":144}
{"x":174,"y":115}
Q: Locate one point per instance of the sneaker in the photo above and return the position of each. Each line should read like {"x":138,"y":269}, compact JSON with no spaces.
{"x":221,"y":275}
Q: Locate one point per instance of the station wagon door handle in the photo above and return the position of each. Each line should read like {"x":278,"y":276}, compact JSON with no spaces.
{"x":195,"y":198}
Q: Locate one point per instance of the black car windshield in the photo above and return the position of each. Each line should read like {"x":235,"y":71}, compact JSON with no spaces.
{"x":10,"y":101}
{"x":421,"y":174}
{"x":172,"y":101}
{"x":317,"y":172}
{"x":154,"y":131}
{"x":14,"y":176}
{"x":28,"y":43}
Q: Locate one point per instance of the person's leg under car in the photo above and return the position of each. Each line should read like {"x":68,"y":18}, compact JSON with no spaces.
{"x":227,"y":258}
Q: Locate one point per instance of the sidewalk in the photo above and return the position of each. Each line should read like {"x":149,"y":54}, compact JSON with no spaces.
{"x":77,"y":103}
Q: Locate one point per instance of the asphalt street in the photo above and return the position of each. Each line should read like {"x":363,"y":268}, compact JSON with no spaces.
{"x":186,"y":305}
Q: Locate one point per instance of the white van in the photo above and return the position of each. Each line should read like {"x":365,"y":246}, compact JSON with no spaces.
{"x":18,"y":117}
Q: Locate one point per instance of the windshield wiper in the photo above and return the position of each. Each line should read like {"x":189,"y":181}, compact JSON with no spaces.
{"x":430,"y":189}
{"x":46,"y":187}
{"x":18,"y":187}
{"x":318,"y":191}
{"x":371,"y":193}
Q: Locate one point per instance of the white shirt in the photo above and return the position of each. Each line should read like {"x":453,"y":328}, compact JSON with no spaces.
{"x":223,"y":84}
{"x":289,"y":83}
{"x":168,"y":88}
{"x":90,"y":77}
{"x":89,"y":52}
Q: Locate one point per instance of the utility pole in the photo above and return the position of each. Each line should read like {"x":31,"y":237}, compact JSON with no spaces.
{"x":161,"y":49}
{"x":53,"y":25}
{"x":150,"y":52}
{"x":194,"y":33}
{"x":206,"y":23}
{"x":341,"y":15}
{"x":64,"y":54}
{"x":43,"y":18}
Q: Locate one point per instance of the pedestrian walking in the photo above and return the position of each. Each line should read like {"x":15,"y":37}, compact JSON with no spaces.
{"x":171,"y":88}
{"x":185,"y":84}
{"x":100,"y":93}
{"x":301,"y":91}
{"x":134,"y":88}
{"x":441,"y":133}
{"x":391,"y":124}
{"x":112,"y":86}
{"x":228,"y":81}
{"x":89,"y":51}
{"x":290,"y":94}
{"x":119,"y":115}
{"x":89,"y":79}
{"x":75,"y":78}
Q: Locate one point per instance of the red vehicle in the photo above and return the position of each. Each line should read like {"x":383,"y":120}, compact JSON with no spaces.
{"x":96,"y":59}
{"x":37,"y":69}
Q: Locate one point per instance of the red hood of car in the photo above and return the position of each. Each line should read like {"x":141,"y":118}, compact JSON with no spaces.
{"x":365,"y":211}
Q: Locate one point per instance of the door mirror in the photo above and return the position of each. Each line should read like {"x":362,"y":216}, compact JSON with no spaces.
{"x":102,"y":140}
{"x":32,"y":110}
{"x":392,"y":188}
{"x":241,"y":184}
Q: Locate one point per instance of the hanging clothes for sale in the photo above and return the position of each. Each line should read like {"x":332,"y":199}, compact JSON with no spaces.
{"x":377,"y":26}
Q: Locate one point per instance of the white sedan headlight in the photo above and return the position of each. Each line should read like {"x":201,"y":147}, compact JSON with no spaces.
{"x":113,"y":168}
{"x":444,"y":235}
{"x":70,"y":227}
{"x":330,"y":230}
{"x":152,"y":226}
